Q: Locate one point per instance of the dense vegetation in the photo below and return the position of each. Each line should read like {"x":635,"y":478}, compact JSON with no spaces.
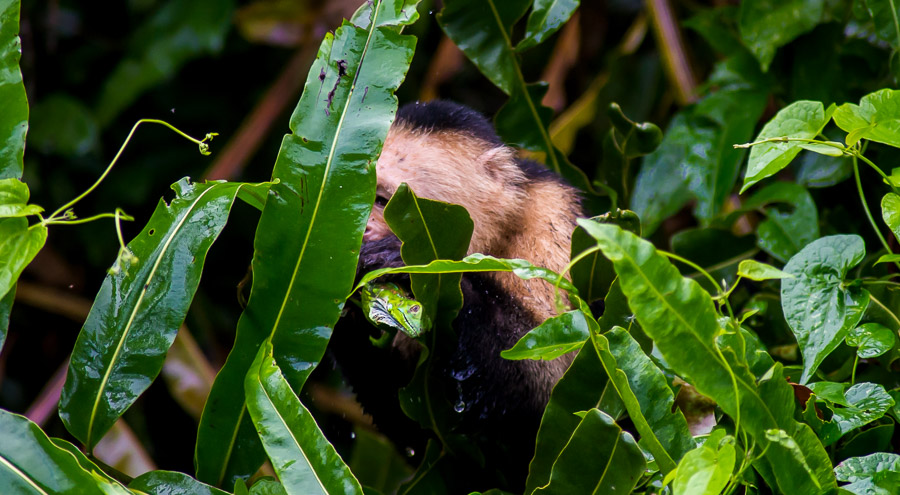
{"x":747,"y":258}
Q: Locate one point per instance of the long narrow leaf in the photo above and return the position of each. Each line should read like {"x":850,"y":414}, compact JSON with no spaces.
{"x":301,"y":455}
{"x":307,"y":241}
{"x":13,"y":101}
{"x":139,"y":308}
{"x":599,"y":458}
{"x":680,"y":318}
{"x":30,"y":463}
{"x":580,"y":389}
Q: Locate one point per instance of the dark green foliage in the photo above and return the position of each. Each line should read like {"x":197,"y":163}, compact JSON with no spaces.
{"x":758,"y":355}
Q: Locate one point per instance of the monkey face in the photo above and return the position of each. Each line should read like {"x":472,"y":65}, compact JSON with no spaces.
{"x":454,"y":167}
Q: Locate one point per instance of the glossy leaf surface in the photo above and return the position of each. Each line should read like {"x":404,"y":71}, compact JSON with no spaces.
{"x":871,"y":339}
{"x":482,"y":29}
{"x":766,"y":25}
{"x":818,"y":307}
{"x":13,"y":101}
{"x":30,"y":463}
{"x":890,"y":211}
{"x":477,"y":263}
{"x":6,"y":303}
{"x":680,"y":318}
{"x":860,"y":468}
{"x":859,"y":405}
{"x":599,"y":458}
{"x":801,"y":120}
{"x":876,"y":118}
{"x":307,"y":241}
{"x":171,"y":483}
{"x":305,"y":461}
{"x":783,"y":233}
{"x":139,"y":308}
{"x":754,"y":270}
{"x":430,"y":230}
{"x":546,"y":17}
{"x":706,"y":469}
{"x":552,"y":338}
{"x":594,"y":274}
{"x":19,"y":244}
{"x":579,"y":389}
{"x":697,"y":159}
{"x":646,"y":394}
{"x":14,"y":196}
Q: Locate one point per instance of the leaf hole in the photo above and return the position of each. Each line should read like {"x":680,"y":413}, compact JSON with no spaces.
{"x":152,"y":231}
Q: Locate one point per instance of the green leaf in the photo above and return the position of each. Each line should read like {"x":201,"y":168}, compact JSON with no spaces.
{"x":6,"y":303}
{"x":876,"y":118}
{"x":171,"y":483}
{"x":552,"y":338}
{"x":389,"y":14}
{"x":888,"y":258}
{"x":306,"y":463}
{"x":430,"y":230}
{"x":872,"y":339}
{"x":784,"y":233}
{"x":823,"y":171}
{"x":884,"y":14}
{"x":64,"y":126}
{"x":890,"y":211}
{"x":14,"y":198}
{"x":646,"y":394}
{"x":580,"y":389}
{"x":818,"y":307}
{"x":19,"y":244}
{"x":860,"y":404}
{"x":599,"y":458}
{"x":30,"y":463}
{"x":13,"y":101}
{"x":302,"y":275}
{"x":139,"y":308}
{"x":267,"y":487}
{"x":481,"y":29}
{"x":707,"y":469}
{"x":681,"y":319}
{"x":800,"y":120}
{"x":546,"y":17}
{"x":861,"y":468}
{"x":832,"y":148}
{"x":697,"y":158}
{"x":754,"y":270}
{"x":766,"y":25}
{"x":594,"y":274}
{"x":475,"y":263}
{"x":180,"y":30}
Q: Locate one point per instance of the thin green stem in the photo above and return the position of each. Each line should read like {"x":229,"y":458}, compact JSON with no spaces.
{"x":853,"y":372}
{"x":785,"y":139}
{"x":118,"y":215}
{"x":719,"y":290}
{"x":862,"y":198}
{"x":885,"y":308}
{"x":63,"y":211}
{"x":877,"y":169}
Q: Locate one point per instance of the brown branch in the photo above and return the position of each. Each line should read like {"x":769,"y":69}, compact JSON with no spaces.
{"x":672,"y":48}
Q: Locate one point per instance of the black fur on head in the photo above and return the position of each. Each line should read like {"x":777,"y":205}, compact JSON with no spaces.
{"x":441,"y":115}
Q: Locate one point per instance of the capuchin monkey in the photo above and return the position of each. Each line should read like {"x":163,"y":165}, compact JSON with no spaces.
{"x":448,"y":152}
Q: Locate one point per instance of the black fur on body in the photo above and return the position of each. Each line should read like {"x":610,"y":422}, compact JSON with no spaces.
{"x":503,"y":400}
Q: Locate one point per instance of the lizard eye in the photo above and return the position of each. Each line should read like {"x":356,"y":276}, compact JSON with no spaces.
{"x":381,"y":201}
